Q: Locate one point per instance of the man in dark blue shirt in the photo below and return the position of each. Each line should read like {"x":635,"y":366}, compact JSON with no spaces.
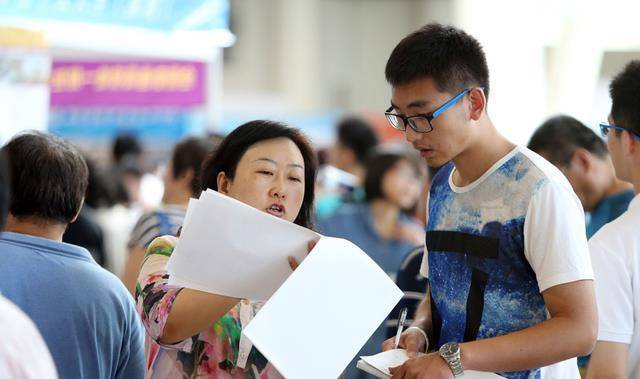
{"x":583,"y":158}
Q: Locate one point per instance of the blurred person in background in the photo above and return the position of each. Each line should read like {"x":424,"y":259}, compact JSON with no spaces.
{"x":266,"y":165}
{"x":583,"y":158}
{"x":86,"y":231}
{"x":181,"y":182}
{"x":85,"y":314}
{"x":381,"y":225}
{"x":341,"y":180}
{"x":23,"y":352}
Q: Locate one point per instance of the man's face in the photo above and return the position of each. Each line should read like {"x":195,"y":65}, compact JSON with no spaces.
{"x":450,"y":135}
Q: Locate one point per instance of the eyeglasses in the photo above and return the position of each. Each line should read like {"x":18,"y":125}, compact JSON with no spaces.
{"x":604,"y":130}
{"x":421,"y":123}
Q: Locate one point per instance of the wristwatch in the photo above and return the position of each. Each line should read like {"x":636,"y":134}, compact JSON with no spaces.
{"x":450,"y":352}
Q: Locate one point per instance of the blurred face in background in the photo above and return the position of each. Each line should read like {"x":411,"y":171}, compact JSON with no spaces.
{"x":269,"y":177}
{"x":401,"y":185}
{"x":341,"y":157}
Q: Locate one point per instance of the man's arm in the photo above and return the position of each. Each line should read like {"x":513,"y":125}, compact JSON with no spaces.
{"x":412,"y":340}
{"x":571,"y":331}
{"x":608,"y":361}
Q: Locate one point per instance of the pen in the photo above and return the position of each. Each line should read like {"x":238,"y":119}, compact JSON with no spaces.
{"x":401,"y":320}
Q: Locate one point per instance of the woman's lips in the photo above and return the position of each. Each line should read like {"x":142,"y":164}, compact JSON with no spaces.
{"x":277,"y":210}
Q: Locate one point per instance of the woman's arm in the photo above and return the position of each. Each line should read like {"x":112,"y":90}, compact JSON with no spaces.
{"x":192,"y":312}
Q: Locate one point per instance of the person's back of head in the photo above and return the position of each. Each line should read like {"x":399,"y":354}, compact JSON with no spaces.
{"x":125,"y":145}
{"x":579,"y":153}
{"x":354,"y":140}
{"x":49,"y":177}
{"x":558,"y":138}
{"x":187,"y":158}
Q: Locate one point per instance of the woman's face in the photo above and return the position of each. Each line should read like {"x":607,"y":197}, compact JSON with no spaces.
{"x":269,"y":177}
{"x":401,"y":185}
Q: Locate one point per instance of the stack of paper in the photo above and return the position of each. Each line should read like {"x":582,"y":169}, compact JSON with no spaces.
{"x":324,"y":313}
{"x":378,"y":365}
{"x":318,"y":317}
{"x":230,"y":248}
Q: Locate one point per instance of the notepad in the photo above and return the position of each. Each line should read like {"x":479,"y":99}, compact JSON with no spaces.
{"x":378,"y":365}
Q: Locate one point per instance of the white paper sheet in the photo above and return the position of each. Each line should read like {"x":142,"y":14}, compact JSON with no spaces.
{"x":229,"y":248}
{"x":324,"y":313}
{"x":393,"y":358}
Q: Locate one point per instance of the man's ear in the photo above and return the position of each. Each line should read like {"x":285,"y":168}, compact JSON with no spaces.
{"x":187,"y":177}
{"x":77,"y":213}
{"x":223,"y":183}
{"x":630,"y":144}
{"x":478,"y":103}
{"x":582,"y":159}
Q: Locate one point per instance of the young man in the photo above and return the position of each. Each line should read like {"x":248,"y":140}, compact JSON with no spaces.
{"x":506,"y":256}
{"x":87,"y":318}
{"x":181,"y":182}
{"x":615,"y":249}
{"x":583,"y":158}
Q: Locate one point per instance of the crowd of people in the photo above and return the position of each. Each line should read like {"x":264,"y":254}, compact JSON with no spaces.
{"x":503,"y":271}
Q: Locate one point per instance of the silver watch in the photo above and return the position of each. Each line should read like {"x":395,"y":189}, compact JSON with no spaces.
{"x":450,"y":352}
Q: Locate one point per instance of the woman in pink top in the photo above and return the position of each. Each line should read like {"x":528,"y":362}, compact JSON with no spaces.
{"x":194,"y":334}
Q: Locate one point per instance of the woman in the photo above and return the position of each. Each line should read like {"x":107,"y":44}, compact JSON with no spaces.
{"x":381,"y":226}
{"x":197,"y":334}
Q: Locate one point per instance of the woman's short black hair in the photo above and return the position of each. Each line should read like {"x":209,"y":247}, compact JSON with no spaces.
{"x":377,"y":164}
{"x":227,"y":156}
{"x":48,"y":177}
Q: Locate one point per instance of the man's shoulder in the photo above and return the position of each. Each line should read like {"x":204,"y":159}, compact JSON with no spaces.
{"x":619,"y":235}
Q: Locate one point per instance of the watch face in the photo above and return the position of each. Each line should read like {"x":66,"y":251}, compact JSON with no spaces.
{"x":449,"y":349}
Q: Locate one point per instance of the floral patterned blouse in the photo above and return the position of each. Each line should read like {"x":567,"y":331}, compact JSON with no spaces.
{"x":212,"y":353}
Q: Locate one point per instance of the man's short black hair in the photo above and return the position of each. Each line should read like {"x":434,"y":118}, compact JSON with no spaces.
{"x":625,"y":97}
{"x":356,"y":134}
{"x":48,"y":175}
{"x":189,"y":154}
{"x":560,"y":136}
{"x":452,"y":58}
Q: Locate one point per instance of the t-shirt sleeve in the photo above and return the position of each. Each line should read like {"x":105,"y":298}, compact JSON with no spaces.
{"x":554,"y":237}
{"x":131,"y":363}
{"x":154,"y":295}
{"x":424,"y":267}
{"x":614,"y":292}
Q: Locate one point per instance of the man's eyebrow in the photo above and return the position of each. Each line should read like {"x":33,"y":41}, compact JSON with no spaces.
{"x":413,"y":104}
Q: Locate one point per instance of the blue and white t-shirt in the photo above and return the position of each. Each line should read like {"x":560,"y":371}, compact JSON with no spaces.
{"x":494,"y":245}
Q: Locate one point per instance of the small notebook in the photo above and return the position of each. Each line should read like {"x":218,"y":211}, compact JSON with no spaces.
{"x":378,"y":365}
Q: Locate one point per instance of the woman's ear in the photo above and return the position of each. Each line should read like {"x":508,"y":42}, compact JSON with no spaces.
{"x":223,"y":183}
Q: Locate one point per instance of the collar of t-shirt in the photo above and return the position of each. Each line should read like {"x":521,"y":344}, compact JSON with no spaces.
{"x":40,"y":243}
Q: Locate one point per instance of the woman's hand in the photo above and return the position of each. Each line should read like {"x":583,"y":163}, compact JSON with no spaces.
{"x":293,"y":262}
